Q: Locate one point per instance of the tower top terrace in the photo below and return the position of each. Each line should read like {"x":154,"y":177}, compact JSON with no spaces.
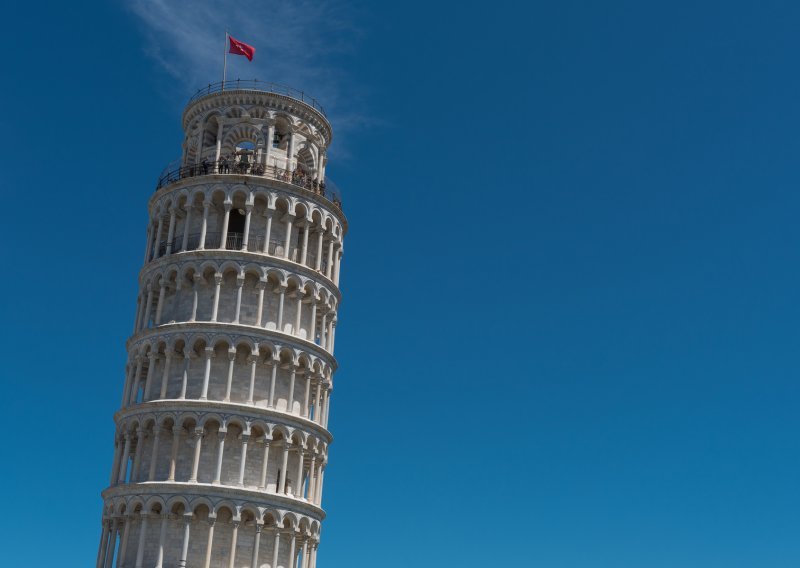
{"x":256,"y":129}
{"x":277,"y":97}
{"x":260,"y":86}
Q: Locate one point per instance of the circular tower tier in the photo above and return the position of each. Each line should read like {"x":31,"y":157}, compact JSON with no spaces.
{"x":221,"y":440}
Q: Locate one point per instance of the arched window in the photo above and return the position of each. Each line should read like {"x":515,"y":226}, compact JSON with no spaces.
{"x":244,"y":157}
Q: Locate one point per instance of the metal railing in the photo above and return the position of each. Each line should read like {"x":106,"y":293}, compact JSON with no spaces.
{"x":297,"y":178}
{"x":263,"y":86}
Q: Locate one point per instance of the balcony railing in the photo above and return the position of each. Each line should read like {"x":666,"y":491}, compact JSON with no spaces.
{"x":297,"y":178}
{"x":262,"y":86}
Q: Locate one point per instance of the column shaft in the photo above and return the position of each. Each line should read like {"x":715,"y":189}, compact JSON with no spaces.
{"x":260,"y":309}
{"x":252,"y":386}
{"x":267,"y":233}
{"x":311,"y":478}
{"x":115,"y":464}
{"x":151,"y":474}
{"x":243,"y":460}
{"x":137,"y":456}
{"x":195,"y":296}
{"x":204,"y":226}
{"x":232,"y":557}
{"x":123,"y":545}
{"x":123,"y":467}
{"x":196,"y":461}
{"x":171,"y":230}
{"x":162,"y":537}
{"x":307,"y":394}
{"x":330,"y":259}
{"x":223,"y":238}
{"x":292,"y":545}
{"x":271,"y":401}
{"x":101,"y":552}
{"x":148,"y":308}
{"x":256,"y":543}
{"x":186,"y":225}
{"x":151,"y":367}
{"x":157,"y":237}
{"x":220,"y":452}
{"x":207,"y":373}
{"x":263,"y":485}
{"x":229,"y":382}
{"x":280,"y":309}
{"x":320,"y":239}
{"x":239,"y":286}
{"x":185,"y":545}
{"x":160,"y":305}
{"x":209,"y":544}
{"x":111,"y":546}
{"x":276,"y":548}
{"x":246,"y":236}
{"x":185,"y":374}
{"x":317,"y":390}
{"x":217,"y":286}
{"x":173,"y":458}
{"x":284,"y":464}
{"x":136,"y":379}
{"x":304,"y":249}
{"x":298,"y":487}
{"x":142,"y":535}
{"x":313,"y":326}
{"x":298,"y":316}
{"x":290,"y":401}
{"x":165,"y":374}
{"x":288,"y":241}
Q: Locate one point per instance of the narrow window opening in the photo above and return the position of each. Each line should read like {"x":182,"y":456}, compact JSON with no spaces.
{"x":235,"y":235}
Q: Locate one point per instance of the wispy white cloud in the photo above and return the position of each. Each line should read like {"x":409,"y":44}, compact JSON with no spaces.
{"x":296,"y":44}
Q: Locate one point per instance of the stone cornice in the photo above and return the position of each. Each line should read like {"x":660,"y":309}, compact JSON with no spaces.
{"x":246,"y":257}
{"x":234,"y":330}
{"x":225,"y":409}
{"x":216,"y":494}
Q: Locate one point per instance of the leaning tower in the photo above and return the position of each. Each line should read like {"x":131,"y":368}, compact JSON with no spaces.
{"x":221,"y":438}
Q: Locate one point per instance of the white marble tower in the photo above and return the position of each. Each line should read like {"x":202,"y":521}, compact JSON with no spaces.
{"x":221,"y":439}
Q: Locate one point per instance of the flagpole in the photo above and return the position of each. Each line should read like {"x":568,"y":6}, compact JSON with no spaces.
{"x":224,"y":60}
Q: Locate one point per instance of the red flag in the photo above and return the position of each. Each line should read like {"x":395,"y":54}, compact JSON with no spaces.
{"x":241,"y":48}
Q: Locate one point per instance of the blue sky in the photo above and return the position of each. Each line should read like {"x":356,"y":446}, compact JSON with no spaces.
{"x":570,"y":328}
